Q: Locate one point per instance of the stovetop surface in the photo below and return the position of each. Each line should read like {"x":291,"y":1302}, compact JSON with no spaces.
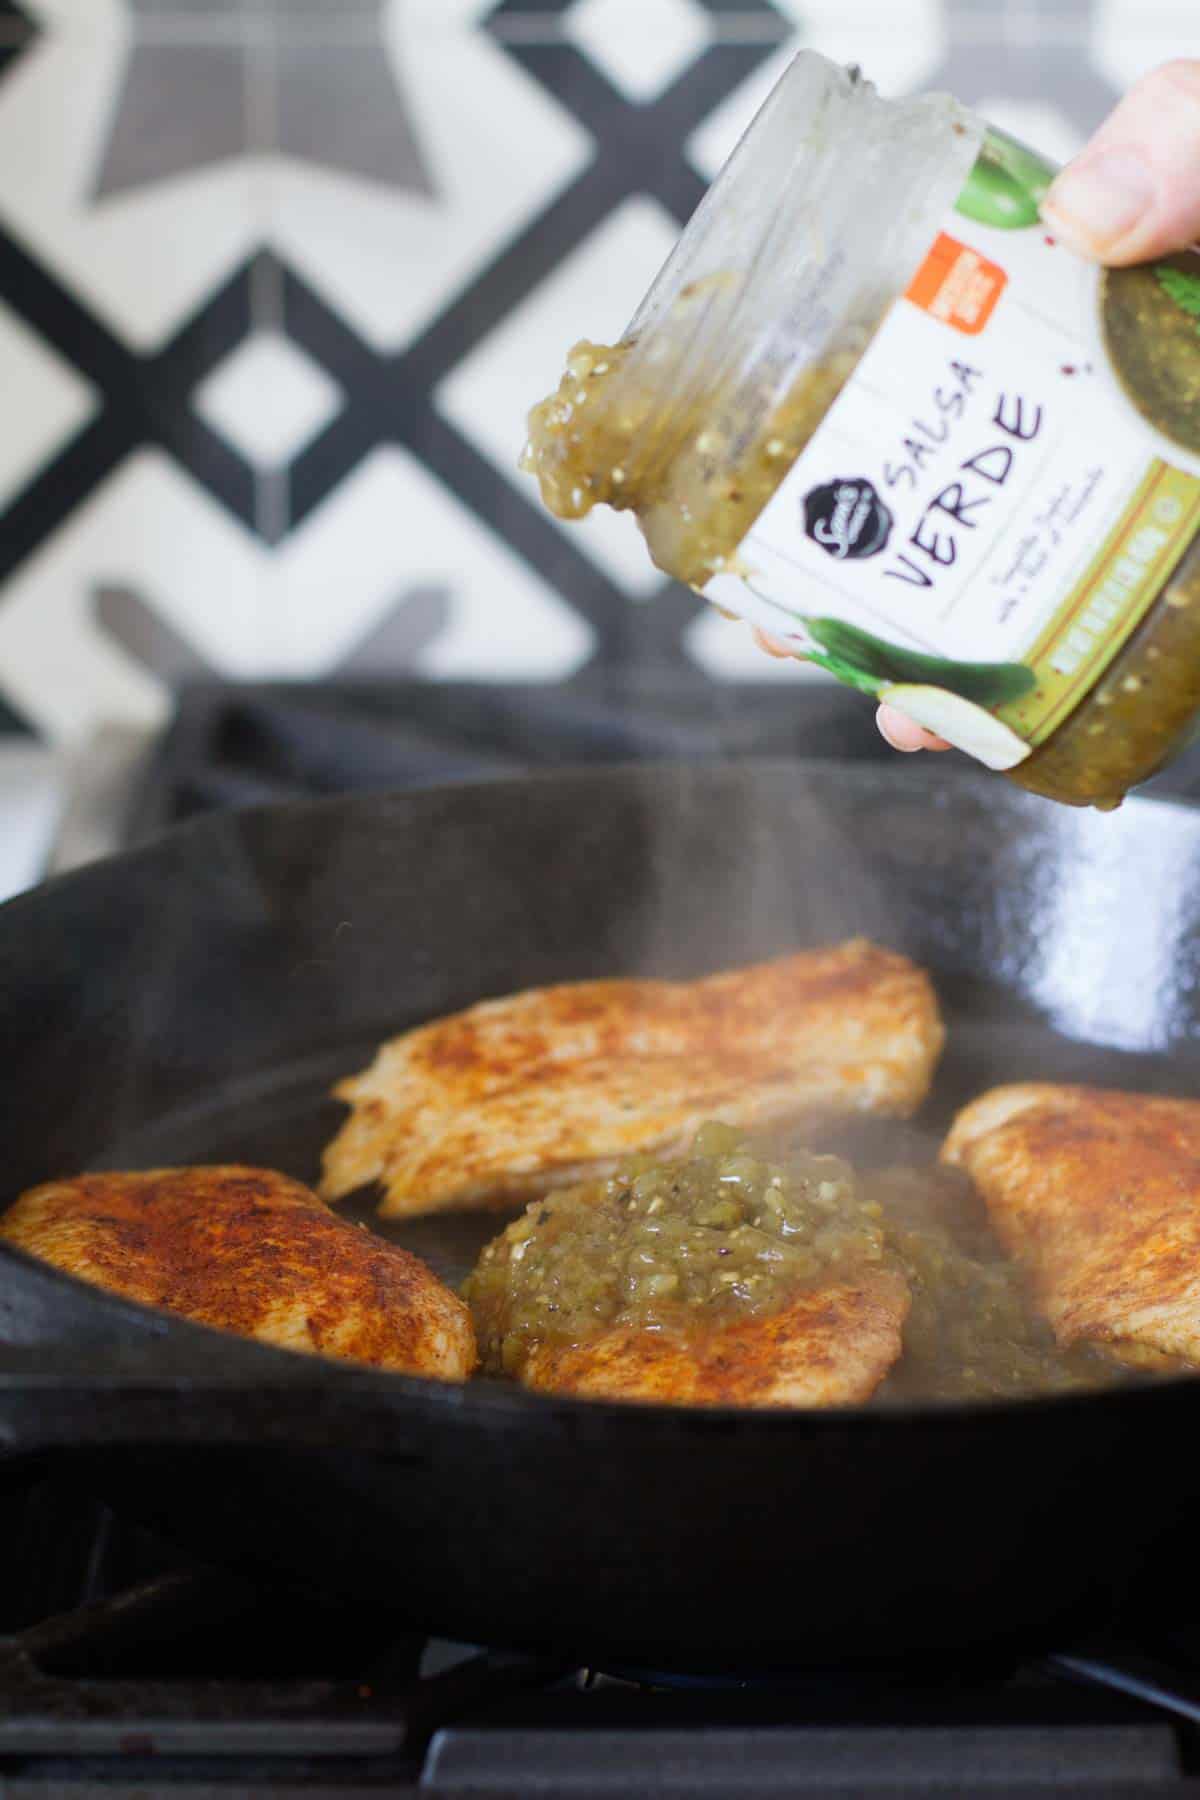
{"x":124,"y":1670}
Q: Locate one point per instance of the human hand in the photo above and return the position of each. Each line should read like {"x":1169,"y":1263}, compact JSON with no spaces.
{"x":1133,"y":192}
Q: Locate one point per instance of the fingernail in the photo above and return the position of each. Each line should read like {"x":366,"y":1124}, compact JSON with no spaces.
{"x":883,"y":724}
{"x":1097,"y":201}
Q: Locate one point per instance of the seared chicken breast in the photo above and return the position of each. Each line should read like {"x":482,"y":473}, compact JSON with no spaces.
{"x":832,"y":1346}
{"x":252,"y":1252}
{"x":517,"y":1096}
{"x":1097,"y":1194}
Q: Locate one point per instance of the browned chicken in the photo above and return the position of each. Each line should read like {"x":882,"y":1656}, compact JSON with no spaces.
{"x":253,"y":1252}
{"x":517,"y":1096}
{"x":831,"y":1346}
{"x":1097,"y":1194}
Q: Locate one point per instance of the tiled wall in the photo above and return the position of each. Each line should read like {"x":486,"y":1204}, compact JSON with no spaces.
{"x":278,"y":279}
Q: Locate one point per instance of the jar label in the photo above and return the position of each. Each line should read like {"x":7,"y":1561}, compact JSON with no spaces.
{"x":985,"y":514}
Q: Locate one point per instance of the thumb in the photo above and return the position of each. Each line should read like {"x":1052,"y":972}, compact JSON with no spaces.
{"x":1134,"y":191}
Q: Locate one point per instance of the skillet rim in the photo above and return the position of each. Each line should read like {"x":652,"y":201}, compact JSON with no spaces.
{"x":252,"y":1367}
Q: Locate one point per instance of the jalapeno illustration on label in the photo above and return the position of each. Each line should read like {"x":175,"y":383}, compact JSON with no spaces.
{"x":1006,"y":186}
{"x":986,"y":683}
{"x":846,"y":673}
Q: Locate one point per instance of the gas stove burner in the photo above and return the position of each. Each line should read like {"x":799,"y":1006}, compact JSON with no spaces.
{"x":939,"y":1675}
{"x":155,"y":1678}
{"x":236,"y":746}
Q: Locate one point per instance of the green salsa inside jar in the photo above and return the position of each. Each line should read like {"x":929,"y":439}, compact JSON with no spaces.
{"x":1143,"y":711}
{"x":1150,"y":316}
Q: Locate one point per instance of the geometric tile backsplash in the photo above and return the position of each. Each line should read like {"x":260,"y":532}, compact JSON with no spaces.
{"x":278,"y":279}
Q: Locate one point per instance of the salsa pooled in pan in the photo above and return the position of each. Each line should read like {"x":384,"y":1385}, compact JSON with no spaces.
{"x":676,"y":1252}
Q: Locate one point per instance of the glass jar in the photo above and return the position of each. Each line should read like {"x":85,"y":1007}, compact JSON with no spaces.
{"x":872,"y":407}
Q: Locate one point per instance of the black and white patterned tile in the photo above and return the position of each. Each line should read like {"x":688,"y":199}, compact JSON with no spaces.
{"x":278,"y":279}
{"x":591,"y":292}
{"x":640,"y":50}
{"x":267,"y":398}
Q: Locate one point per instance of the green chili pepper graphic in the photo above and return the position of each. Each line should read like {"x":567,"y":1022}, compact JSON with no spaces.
{"x":1032,"y":170}
{"x":1007,"y":185}
{"x":992,"y":196}
{"x":844,"y":671}
{"x":989,"y":684}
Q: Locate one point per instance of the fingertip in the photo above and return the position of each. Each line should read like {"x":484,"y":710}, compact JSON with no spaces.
{"x":904,"y":734}
{"x":1100,"y":201}
{"x":1132,"y":194}
{"x":901,"y":733}
{"x":772,"y":645}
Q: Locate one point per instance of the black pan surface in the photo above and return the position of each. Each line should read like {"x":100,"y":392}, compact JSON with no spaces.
{"x":194,"y":1001}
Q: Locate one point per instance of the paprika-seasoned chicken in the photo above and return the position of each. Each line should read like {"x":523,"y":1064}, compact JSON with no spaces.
{"x":832,"y":1346}
{"x":517,"y":1096}
{"x":253,"y":1252}
{"x":1097,"y":1194}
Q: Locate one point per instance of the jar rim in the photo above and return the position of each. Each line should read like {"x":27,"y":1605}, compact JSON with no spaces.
{"x":757,"y":265}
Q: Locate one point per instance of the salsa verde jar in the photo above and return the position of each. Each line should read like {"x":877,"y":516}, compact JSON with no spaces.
{"x":871,"y":406}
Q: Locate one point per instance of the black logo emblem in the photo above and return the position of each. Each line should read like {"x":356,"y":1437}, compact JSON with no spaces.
{"x":847,"y":518}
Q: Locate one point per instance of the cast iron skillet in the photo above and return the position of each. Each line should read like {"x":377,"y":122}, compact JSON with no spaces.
{"x":195,"y":999}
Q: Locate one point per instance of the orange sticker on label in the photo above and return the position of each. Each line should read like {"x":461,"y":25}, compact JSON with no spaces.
{"x":957,"y":285}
